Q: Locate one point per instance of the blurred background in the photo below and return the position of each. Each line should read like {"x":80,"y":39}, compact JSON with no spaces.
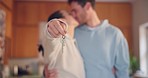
{"x":22,"y":27}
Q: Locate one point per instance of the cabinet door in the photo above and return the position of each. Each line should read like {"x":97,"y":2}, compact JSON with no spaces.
{"x":26,"y":13}
{"x":121,"y":15}
{"x":26,"y":39}
{"x":7,"y":3}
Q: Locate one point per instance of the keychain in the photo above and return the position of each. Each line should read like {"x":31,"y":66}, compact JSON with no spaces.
{"x":63,"y":43}
{"x":63,"y":36}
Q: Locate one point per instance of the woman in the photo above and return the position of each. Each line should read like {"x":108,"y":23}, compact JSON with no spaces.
{"x":69,"y":64}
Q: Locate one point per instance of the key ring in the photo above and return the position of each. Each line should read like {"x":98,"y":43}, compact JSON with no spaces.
{"x":63,"y":37}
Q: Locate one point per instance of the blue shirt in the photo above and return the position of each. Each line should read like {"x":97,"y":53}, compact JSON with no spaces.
{"x":103,"y":48}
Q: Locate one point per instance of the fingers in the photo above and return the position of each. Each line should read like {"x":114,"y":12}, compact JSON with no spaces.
{"x":60,"y":27}
{"x":53,"y":74}
{"x":64,"y":27}
{"x":53,"y":31}
{"x":56,"y":28}
{"x":50,"y":74}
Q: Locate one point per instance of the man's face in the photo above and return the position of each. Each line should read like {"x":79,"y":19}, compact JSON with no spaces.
{"x":78,"y":12}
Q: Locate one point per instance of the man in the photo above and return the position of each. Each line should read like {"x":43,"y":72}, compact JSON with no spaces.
{"x":102,"y":45}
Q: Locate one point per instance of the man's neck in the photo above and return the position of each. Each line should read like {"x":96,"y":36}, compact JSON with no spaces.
{"x":93,"y":20}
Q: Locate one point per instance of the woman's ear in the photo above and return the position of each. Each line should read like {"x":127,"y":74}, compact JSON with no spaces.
{"x":87,"y":6}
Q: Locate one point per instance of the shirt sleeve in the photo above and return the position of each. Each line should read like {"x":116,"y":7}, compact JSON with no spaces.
{"x":49,"y":43}
{"x":48,"y":39}
{"x":122,"y":57}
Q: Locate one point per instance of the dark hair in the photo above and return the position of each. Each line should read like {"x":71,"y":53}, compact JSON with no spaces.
{"x":83,"y":2}
{"x":41,"y":49}
{"x":57,"y":14}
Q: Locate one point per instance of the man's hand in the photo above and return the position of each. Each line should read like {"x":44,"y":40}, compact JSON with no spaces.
{"x":50,"y":73}
{"x":56,"y":28}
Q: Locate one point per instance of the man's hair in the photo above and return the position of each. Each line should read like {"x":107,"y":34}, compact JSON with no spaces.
{"x":57,"y":14}
{"x":83,"y":2}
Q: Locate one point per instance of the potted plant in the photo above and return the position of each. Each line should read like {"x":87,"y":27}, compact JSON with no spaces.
{"x":134,"y":65}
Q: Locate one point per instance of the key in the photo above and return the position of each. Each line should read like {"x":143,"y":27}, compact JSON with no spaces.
{"x":63,"y":43}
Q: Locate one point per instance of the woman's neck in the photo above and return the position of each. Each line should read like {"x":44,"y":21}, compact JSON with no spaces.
{"x":71,"y":31}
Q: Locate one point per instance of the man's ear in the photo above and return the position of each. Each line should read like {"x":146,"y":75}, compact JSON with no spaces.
{"x":87,"y":6}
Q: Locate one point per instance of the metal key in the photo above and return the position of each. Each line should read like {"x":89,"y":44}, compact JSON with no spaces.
{"x":63,"y":37}
{"x":63,"y":43}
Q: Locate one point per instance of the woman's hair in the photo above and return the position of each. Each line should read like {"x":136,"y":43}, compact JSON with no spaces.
{"x":57,"y":14}
{"x":41,"y":49}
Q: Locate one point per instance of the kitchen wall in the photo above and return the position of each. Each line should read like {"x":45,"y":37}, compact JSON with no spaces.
{"x":140,"y":16}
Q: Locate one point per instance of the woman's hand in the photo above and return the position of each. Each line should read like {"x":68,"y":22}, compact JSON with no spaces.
{"x":57,"y":27}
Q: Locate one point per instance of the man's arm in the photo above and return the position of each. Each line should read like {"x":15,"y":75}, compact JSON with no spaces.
{"x":49,"y":73}
{"x":122,"y":57}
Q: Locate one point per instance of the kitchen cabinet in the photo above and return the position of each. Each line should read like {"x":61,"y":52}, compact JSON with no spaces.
{"x":26,"y":39}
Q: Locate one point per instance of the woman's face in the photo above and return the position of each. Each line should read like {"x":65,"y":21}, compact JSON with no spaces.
{"x":69,"y":19}
{"x":72,"y":23}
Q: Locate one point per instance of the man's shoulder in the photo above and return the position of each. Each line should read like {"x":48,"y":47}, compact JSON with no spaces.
{"x":108,"y":27}
{"x":112,"y":29}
